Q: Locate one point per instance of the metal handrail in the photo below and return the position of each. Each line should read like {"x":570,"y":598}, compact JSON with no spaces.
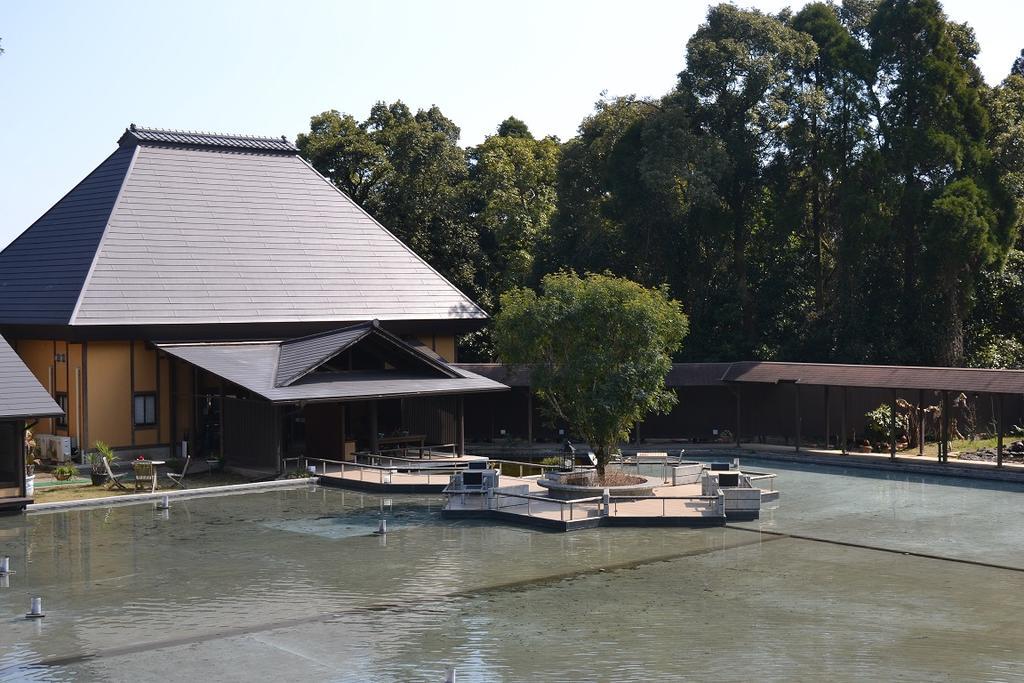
{"x":562,"y":504}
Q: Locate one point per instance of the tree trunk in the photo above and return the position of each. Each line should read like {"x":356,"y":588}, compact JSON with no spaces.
{"x":603,"y":455}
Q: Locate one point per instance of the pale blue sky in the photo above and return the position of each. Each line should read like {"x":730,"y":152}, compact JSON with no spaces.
{"x":75,"y":74}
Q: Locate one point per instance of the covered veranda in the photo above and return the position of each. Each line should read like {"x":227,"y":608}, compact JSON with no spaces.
{"x":359,"y":390}
{"x":828,"y":389}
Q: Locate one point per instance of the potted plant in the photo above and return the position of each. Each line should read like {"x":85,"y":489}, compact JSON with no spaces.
{"x":64,"y":472}
{"x":101,"y":452}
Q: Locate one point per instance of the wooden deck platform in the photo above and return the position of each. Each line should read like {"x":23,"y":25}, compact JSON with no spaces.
{"x":669,"y":506}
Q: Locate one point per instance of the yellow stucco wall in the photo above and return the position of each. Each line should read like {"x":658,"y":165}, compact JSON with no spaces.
{"x":443,"y":345}
{"x":109,"y":392}
{"x":145,"y":374}
{"x":38,"y":357}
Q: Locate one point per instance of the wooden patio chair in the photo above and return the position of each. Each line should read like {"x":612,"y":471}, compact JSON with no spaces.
{"x":145,"y":475}
{"x":178,"y":480}
{"x":113,"y":480}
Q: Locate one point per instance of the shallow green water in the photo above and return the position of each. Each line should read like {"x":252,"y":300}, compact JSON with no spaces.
{"x":292,"y":584}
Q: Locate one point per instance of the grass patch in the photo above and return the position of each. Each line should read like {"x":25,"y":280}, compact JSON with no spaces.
{"x":63,"y":492}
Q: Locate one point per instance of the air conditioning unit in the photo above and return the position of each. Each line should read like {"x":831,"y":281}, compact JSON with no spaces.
{"x":53,"y":447}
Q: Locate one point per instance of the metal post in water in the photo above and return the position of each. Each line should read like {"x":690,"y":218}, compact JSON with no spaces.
{"x":5,"y":566}
{"x":36,"y":609}
{"x":382,"y":528}
{"x":164,"y":504}
{"x":449,"y":675}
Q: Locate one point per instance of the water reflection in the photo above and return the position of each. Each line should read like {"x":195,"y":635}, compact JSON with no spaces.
{"x":295,"y":583}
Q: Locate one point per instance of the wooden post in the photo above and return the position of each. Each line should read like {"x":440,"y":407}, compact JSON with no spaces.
{"x":842,"y":424}
{"x":460,"y":427}
{"x":828,"y":422}
{"x":999,"y":438}
{"x":796,"y":388}
{"x":172,"y":392}
{"x":529,"y":415}
{"x":344,"y":436}
{"x":220,"y":423}
{"x":892,"y":426}
{"x":920,"y":422}
{"x":374,"y":447}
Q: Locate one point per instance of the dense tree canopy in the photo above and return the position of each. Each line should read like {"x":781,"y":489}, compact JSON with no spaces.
{"x":599,"y":346}
{"x":836,"y":184}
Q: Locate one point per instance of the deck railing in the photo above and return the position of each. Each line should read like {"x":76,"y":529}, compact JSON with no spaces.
{"x":712,"y":504}
{"x":380,"y":474}
{"x":534,"y":507}
{"x":511,"y":465}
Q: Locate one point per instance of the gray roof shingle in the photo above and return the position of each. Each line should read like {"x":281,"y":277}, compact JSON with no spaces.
{"x":42,"y":271}
{"x":21,"y":395}
{"x":215,"y":233}
{"x":256,"y":366}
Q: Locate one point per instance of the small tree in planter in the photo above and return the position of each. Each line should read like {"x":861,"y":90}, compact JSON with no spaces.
{"x":598,"y":348}
{"x":101,"y":452}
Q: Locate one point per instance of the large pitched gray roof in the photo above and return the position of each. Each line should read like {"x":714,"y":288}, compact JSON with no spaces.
{"x":21,"y":395}
{"x":42,"y":272}
{"x":256,"y":366}
{"x":214,"y":229}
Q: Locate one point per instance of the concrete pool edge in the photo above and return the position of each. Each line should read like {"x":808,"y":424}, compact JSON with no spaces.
{"x":135,"y":498}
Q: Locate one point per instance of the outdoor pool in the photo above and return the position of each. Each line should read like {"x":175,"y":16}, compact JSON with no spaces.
{"x":292,"y":584}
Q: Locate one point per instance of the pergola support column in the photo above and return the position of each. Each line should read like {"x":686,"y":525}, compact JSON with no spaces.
{"x":892,"y":425}
{"x":828,"y":421}
{"x":944,"y":446}
{"x":796,"y":388}
{"x":999,"y":427}
{"x":739,"y":413}
{"x":842,"y":423}
{"x":374,"y":446}
{"x":529,"y":415}
{"x":920,"y":422}
{"x":460,"y":427}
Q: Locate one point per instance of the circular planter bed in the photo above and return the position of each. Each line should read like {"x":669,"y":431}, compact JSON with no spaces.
{"x":570,"y":485}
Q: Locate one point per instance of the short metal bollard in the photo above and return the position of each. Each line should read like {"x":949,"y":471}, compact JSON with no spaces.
{"x":164,"y":504}
{"x":5,"y":566}
{"x":36,"y":609}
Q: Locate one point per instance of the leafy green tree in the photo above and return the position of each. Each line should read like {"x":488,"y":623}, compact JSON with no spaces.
{"x":949,"y":216}
{"x":514,"y":128}
{"x":512,"y":180}
{"x":583,"y":234}
{"x":737,"y":80}
{"x":599,"y":348}
{"x":995,"y":330}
